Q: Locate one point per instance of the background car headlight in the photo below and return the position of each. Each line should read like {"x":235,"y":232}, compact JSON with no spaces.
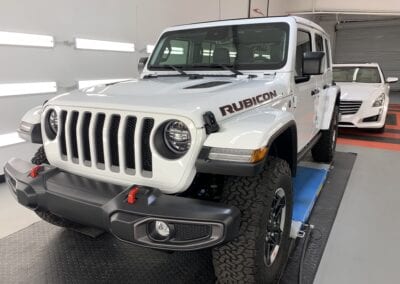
{"x":177,"y":136}
{"x":379,"y":101}
{"x":53,"y":121}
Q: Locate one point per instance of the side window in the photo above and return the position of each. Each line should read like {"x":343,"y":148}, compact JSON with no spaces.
{"x":319,"y":43}
{"x":328,"y":53}
{"x":303,"y":45}
{"x":175,"y":53}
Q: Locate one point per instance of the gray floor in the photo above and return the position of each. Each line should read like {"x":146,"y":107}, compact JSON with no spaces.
{"x":363,"y":246}
{"x":364,"y":243}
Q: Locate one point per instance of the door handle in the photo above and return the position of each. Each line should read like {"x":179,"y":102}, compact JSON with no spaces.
{"x":315,"y":92}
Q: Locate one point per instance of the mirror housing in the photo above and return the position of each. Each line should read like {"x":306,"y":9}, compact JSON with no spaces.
{"x":312,"y":62}
{"x":392,"y":80}
{"x":142,"y":63}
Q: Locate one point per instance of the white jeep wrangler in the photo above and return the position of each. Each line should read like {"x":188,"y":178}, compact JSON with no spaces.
{"x":199,"y":152}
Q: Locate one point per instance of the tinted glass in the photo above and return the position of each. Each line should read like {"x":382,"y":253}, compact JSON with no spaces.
{"x":257,"y":46}
{"x":319,"y":43}
{"x":303,"y":45}
{"x":356,"y":74}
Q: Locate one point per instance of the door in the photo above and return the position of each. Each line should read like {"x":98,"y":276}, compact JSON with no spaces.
{"x":321,"y":81}
{"x":303,"y":88}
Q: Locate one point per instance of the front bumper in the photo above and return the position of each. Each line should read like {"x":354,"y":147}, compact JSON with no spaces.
{"x":366,"y":117}
{"x":194,"y":224}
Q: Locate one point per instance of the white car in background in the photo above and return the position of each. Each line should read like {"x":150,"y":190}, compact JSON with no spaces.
{"x":364,"y":95}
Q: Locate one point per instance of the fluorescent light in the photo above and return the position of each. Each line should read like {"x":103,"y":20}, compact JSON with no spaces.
{"x":150,"y":48}
{"x":91,"y":83}
{"x":27,"y":88}
{"x":82,"y":43}
{"x":10,"y":139}
{"x":8,"y":38}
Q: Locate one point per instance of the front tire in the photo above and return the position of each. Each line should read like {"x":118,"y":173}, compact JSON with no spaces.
{"x":38,"y":159}
{"x":260,"y":252}
{"x":324,"y":150}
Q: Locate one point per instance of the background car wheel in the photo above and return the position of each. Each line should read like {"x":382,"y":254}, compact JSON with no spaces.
{"x":260,"y":252}
{"x":324,"y":150}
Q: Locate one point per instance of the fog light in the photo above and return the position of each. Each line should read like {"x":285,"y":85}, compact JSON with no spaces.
{"x":162,"y":229}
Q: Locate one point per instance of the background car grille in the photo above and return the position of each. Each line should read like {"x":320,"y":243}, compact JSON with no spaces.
{"x":349,"y":107}
{"x":106,"y":141}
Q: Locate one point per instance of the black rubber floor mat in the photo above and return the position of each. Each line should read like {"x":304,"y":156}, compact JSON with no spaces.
{"x":322,"y":217}
{"x":43,"y":253}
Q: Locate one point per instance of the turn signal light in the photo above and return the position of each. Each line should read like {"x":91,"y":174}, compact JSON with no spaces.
{"x":258,"y":155}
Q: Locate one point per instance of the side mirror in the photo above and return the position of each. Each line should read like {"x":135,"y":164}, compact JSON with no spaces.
{"x":142,"y":63}
{"x":312,"y":63}
{"x":392,"y":80}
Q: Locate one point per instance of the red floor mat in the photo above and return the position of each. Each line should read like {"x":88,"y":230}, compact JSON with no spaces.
{"x":389,"y":140}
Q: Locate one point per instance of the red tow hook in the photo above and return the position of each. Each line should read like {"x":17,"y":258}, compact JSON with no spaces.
{"x":35,"y":171}
{"x":132,"y":195}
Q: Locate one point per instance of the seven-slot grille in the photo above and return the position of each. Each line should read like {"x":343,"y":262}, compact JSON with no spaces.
{"x":349,"y":107}
{"x":120,"y":143}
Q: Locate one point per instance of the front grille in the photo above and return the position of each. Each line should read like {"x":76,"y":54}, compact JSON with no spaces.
{"x":106,"y":141}
{"x":349,"y":107}
{"x":185,"y":232}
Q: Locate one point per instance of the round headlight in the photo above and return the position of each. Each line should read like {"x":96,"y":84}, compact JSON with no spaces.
{"x":53,"y":121}
{"x":177,"y":136}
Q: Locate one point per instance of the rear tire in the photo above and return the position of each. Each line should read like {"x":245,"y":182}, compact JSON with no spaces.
{"x":324,"y":150}
{"x":246,"y":259}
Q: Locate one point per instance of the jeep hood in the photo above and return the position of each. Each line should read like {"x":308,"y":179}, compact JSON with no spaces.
{"x":172,"y":95}
{"x":359,"y":91}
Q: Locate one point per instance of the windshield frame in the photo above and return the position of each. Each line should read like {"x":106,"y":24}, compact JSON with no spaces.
{"x":214,"y":67}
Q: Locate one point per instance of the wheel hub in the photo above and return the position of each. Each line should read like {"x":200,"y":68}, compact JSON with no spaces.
{"x":275,"y":225}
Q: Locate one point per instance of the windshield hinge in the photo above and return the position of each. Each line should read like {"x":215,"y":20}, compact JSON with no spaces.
{"x":210,"y":123}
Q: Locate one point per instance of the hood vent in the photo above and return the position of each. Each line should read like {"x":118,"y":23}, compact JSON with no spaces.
{"x":208,"y":85}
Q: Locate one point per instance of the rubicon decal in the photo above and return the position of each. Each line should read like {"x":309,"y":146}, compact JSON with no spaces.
{"x":247,"y":103}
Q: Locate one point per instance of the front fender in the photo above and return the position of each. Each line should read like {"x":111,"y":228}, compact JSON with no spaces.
{"x":252,"y":130}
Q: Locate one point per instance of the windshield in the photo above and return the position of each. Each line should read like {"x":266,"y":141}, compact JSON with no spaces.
{"x":356,"y":74}
{"x":251,"y":47}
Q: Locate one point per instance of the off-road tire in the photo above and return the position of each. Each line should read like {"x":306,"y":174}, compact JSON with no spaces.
{"x":242,"y":260}
{"x":324,"y":150}
{"x":40,"y":157}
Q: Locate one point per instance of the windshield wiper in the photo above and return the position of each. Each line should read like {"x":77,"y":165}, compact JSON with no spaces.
{"x":177,"y":69}
{"x":229,"y":68}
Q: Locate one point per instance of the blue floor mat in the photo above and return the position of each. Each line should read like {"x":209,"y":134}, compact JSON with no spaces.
{"x":307,"y":185}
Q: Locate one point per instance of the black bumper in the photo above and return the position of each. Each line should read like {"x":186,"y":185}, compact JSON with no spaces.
{"x":194,"y":224}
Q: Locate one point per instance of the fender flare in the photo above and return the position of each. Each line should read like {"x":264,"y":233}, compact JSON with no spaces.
{"x":290,"y":128}
{"x":332,"y":99}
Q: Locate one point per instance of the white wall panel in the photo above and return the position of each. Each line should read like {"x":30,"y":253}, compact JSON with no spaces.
{"x":388,"y":6}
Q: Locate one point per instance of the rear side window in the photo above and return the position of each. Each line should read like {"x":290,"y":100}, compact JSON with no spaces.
{"x":319,"y":43}
{"x":303,"y":45}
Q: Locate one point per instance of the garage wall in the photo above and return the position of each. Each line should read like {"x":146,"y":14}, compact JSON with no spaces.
{"x":387,"y":6}
{"x":370,"y":41}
